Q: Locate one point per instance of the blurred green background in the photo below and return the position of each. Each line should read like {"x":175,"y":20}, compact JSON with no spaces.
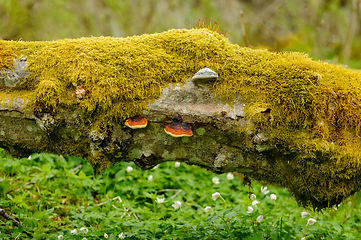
{"x":326,"y":29}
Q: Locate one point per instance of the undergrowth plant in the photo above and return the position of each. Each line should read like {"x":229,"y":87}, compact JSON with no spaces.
{"x":47,"y":196}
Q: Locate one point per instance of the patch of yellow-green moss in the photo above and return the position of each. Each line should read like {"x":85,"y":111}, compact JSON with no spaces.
{"x":315,"y":106}
{"x":7,"y":55}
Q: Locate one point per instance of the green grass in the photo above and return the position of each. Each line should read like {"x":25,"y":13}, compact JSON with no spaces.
{"x":52,"y":195}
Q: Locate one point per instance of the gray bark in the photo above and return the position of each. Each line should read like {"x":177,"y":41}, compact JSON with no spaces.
{"x":213,"y":144}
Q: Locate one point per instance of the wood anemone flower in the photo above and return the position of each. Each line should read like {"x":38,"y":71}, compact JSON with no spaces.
{"x":179,"y":129}
{"x":136,"y":122}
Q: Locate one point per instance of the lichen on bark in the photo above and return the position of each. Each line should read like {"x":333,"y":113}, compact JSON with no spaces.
{"x":277,"y":117}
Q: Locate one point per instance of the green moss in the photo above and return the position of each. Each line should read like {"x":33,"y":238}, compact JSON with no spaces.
{"x":200,"y":131}
{"x":315,"y":106}
{"x":7,"y":55}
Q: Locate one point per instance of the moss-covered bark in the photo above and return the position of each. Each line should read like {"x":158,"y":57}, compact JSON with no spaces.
{"x":277,"y":117}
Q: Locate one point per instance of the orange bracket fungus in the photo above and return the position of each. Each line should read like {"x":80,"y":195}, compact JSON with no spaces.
{"x":178,"y":128}
{"x":136,"y":122}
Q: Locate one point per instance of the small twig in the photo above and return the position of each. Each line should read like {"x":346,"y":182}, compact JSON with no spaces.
{"x":243,"y":30}
{"x":178,"y":191}
{"x":77,"y":168}
{"x":25,"y":184}
{"x":169,"y":190}
{"x":17,"y":236}
{"x":8,"y":217}
{"x":188,"y":204}
{"x":135,"y":216}
{"x":125,"y":213}
{"x":125,"y":209}
{"x":117,"y":197}
{"x":16,"y":222}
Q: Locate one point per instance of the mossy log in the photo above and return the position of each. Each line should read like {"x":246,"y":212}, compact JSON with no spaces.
{"x":281,"y":118}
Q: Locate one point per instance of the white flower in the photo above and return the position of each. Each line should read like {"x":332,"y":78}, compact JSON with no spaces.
{"x":129,"y":169}
{"x":230,"y":176}
{"x":304,"y":214}
{"x":84,"y":230}
{"x":264,"y":190}
{"x":177,"y":204}
{"x":207,"y":209}
{"x":156,"y":166}
{"x":121,"y":236}
{"x":160,"y":200}
{"x":259,"y":218}
{"x":250,"y":209}
{"x":273,"y":197}
{"x":105,"y":235}
{"x":150,"y":178}
{"x":29,"y":158}
{"x":255,"y":202}
{"x":75,"y":231}
{"x":215,"y":195}
{"x":253,"y":197}
{"x":176,"y":164}
{"x":60,"y":237}
{"x":311,"y":221}
{"x":215,"y":180}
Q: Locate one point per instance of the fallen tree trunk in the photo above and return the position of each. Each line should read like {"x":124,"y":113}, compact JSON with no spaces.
{"x":276,"y":117}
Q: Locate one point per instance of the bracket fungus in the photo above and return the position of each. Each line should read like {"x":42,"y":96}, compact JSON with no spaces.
{"x":204,"y":76}
{"x":178,"y":128}
{"x":136,"y":122}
